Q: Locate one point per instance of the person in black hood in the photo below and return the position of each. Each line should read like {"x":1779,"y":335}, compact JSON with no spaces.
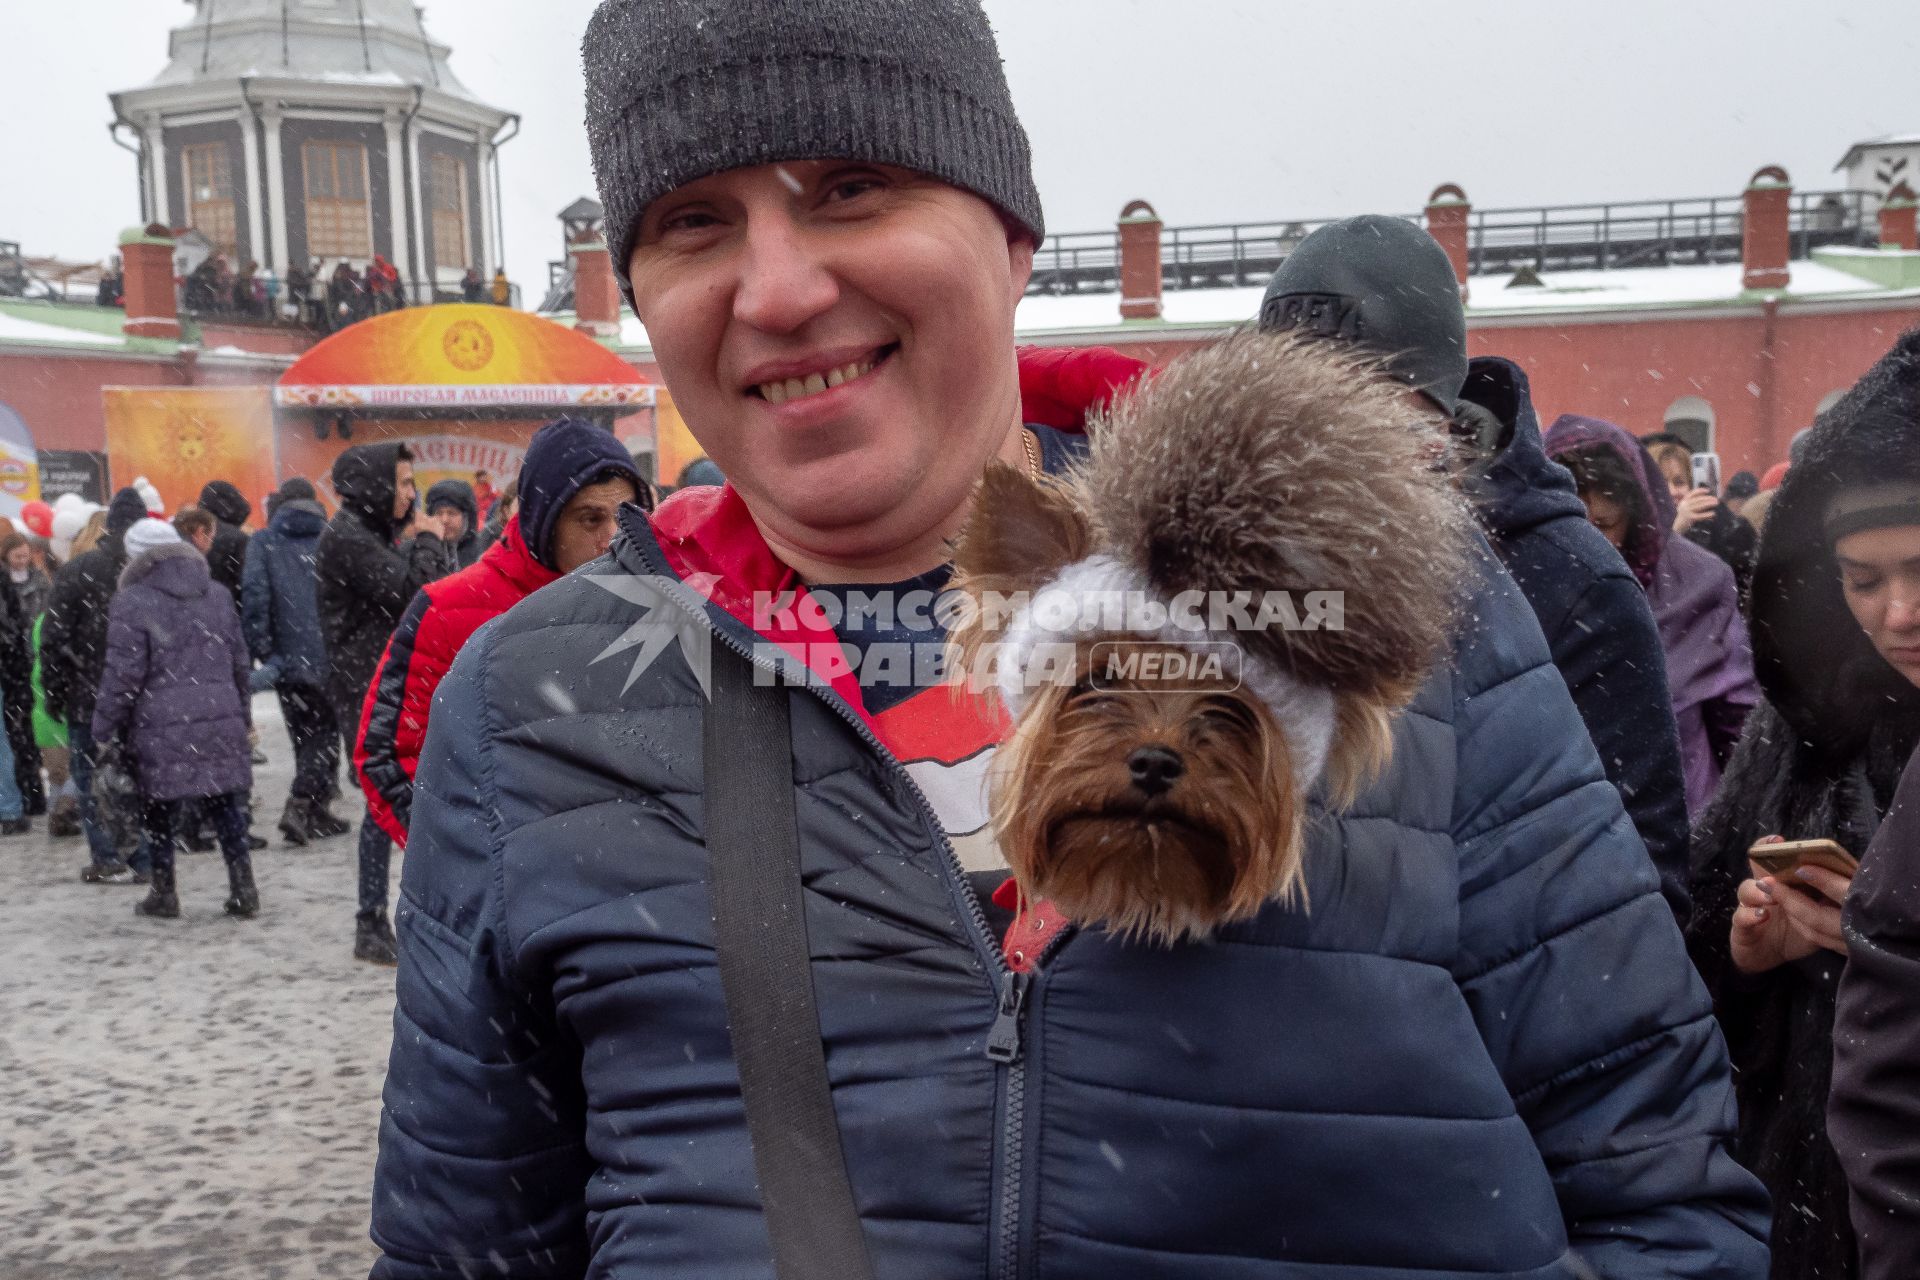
{"x":1836,"y":649}
{"x":365,"y":582}
{"x":73,"y":656}
{"x":227,"y":558}
{"x":451,"y":502}
{"x":1384,"y":285}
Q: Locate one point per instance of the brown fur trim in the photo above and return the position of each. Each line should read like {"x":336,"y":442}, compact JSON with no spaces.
{"x":1267,"y":462}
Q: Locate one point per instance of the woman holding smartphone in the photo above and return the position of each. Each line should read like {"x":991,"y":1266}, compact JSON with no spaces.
{"x":1836,"y":638}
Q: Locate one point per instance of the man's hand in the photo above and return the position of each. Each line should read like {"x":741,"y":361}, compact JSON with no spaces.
{"x":1695,"y":507}
{"x":1778,"y":922}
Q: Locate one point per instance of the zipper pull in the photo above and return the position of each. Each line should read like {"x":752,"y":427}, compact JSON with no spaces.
{"x":1003,"y":1041}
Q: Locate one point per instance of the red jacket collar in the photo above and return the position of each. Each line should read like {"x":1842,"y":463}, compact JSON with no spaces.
{"x":512,"y":559}
{"x":1061,"y":387}
{"x":711,"y":543}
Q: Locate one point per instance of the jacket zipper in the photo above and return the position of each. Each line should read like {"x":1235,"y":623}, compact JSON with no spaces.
{"x":1006,"y":1040}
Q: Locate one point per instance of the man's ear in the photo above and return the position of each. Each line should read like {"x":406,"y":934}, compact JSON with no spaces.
{"x":1021,"y":532}
{"x":1020,"y":254}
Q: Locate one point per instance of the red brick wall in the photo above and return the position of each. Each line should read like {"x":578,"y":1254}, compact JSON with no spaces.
{"x":60,"y":397}
{"x":1631,"y":372}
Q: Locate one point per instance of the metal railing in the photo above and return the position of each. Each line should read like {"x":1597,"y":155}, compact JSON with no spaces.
{"x":1591,"y":237}
{"x":323,"y":306}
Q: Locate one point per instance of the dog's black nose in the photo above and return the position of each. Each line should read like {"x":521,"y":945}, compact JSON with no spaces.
{"x":1155,"y":769}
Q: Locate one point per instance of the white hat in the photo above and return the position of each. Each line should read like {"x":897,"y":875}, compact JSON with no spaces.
{"x":149,"y":535}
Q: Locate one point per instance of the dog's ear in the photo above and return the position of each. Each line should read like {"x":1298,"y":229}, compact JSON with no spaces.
{"x":1021,"y":532}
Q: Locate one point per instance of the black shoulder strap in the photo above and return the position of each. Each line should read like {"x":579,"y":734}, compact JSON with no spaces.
{"x":760,"y":927}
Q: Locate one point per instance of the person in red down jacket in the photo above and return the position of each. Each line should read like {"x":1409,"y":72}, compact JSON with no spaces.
{"x":573,"y":482}
{"x":1061,"y":387}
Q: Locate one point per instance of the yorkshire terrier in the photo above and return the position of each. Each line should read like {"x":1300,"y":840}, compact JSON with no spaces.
{"x":1159,"y":770}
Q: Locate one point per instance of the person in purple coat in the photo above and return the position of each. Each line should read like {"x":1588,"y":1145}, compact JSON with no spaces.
{"x":174,"y":698}
{"x":1695,"y":602}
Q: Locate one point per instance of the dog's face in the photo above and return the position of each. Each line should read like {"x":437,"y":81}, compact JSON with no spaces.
{"x":1156,"y":809}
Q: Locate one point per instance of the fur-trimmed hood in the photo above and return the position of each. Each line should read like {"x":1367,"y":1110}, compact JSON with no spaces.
{"x":1286,"y":464}
{"x":177,"y":569}
{"x":1815,"y":665}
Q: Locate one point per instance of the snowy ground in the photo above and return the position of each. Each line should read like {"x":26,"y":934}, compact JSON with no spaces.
{"x":196,"y":1097}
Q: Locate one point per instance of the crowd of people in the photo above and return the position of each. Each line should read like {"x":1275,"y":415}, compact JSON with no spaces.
{"x":1551,"y":1011}
{"x":130,"y":654}
{"x":308,"y":294}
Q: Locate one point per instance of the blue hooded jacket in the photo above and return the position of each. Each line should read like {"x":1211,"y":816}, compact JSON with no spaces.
{"x":1598,"y":625}
{"x":277,"y":596}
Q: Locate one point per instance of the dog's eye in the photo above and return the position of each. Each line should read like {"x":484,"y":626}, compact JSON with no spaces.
{"x":1232,"y":713}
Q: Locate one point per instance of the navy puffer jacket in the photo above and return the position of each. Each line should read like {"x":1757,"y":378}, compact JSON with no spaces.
{"x":278,"y":595}
{"x":1594,"y":614}
{"x":1482,"y":1053}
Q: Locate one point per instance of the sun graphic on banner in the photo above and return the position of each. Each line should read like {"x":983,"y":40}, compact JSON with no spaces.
{"x":189,"y":437}
{"x":468,"y":345}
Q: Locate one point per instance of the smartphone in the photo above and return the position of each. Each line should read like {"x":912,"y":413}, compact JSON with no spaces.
{"x":1785,"y":858}
{"x":1706,"y":472}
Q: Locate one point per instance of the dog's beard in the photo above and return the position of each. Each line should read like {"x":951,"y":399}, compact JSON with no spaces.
{"x":1213,"y":846}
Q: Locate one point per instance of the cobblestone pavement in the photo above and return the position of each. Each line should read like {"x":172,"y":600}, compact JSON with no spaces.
{"x":196,"y":1097}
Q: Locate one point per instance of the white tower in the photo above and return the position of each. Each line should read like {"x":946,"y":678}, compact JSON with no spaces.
{"x":294,"y":131}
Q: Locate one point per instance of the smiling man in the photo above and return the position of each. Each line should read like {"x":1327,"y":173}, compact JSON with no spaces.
{"x":1482,"y":1052}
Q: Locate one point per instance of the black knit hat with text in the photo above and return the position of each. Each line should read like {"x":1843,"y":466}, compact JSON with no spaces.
{"x":678,"y":90}
{"x":1385,"y":286}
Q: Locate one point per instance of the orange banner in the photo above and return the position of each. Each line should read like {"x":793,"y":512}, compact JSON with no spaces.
{"x":675,"y":442}
{"x":180,"y":438}
{"x":459,"y":356}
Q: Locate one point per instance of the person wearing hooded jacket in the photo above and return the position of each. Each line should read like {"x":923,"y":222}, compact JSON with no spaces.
{"x":1873,"y":1117}
{"x":452,"y":503}
{"x":73,"y":648}
{"x":1835,"y":609}
{"x":373,"y":556}
{"x":227,"y":557}
{"x":1481,"y":1052}
{"x":575,"y":477}
{"x":1598,"y":623}
{"x":1384,"y":285}
{"x":175,"y":692}
{"x":280,"y":611}
{"x":1709,"y":658}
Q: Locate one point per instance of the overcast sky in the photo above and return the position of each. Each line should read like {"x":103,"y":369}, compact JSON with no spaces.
{"x":1215,"y":110}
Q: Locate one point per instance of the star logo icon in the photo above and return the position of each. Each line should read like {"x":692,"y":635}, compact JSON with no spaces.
{"x":664,"y":623}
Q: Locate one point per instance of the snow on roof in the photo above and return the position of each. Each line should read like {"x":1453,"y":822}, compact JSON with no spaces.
{"x":14,"y":328}
{"x":1643,"y":287}
{"x":1868,"y":144}
{"x":1634,"y":289}
{"x":1069,"y":312}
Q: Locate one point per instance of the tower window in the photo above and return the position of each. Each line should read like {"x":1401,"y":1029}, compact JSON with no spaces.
{"x":339,"y":217}
{"x":209,"y":174}
{"x":447,"y":197}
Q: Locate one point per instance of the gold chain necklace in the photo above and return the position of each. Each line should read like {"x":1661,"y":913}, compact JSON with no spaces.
{"x":1033,"y":453}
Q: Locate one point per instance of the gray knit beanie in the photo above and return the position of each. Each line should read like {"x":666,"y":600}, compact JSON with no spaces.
{"x":678,"y":90}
